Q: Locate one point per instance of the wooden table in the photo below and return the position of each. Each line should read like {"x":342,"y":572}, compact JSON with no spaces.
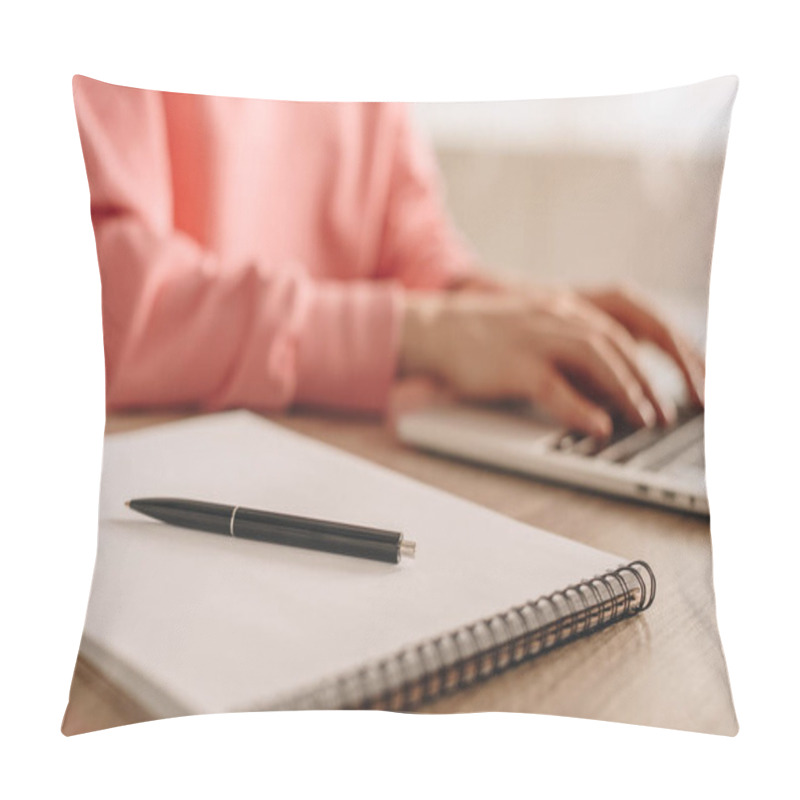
{"x":663,"y":668}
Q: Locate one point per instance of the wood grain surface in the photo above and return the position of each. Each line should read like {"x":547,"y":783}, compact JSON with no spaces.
{"x":664,"y":668}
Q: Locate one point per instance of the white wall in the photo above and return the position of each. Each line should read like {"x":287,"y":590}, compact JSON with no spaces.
{"x":594,"y":190}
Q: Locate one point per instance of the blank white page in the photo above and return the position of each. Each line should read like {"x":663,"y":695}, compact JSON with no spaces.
{"x":191,"y":622}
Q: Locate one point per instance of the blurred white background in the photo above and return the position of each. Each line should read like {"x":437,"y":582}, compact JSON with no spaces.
{"x":591,"y":191}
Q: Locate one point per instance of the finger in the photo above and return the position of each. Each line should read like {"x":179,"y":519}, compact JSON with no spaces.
{"x":681,"y":352}
{"x":666,"y":412}
{"x":594,"y":359}
{"x":644,"y":323}
{"x":558,"y":397}
{"x":625,"y":346}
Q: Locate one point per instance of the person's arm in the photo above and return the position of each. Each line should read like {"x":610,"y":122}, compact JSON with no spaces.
{"x":421,"y":247}
{"x":181,"y":330}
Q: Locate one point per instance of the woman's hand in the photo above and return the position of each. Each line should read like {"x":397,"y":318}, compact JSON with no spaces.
{"x":572,"y":354}
{"x":644,"y":324}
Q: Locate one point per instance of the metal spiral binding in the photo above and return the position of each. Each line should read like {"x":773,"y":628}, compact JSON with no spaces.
{"x":476,"y":652}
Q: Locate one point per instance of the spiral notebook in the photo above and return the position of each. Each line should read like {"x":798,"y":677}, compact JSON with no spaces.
{"x":187,"y":622}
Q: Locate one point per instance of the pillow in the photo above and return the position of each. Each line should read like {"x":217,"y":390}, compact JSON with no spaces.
{"x":313,"y":262}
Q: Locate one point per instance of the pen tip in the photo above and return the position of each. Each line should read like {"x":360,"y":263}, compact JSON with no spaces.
{"x":408,"y":549}
{"x":128,"y":503}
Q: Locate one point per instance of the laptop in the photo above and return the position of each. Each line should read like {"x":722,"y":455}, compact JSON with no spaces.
{"x":660,"y":466}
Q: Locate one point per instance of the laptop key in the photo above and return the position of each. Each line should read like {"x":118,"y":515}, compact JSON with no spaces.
{"x":566,"y":442}
{"x":630,"y":445}
{"x":674,"y":442}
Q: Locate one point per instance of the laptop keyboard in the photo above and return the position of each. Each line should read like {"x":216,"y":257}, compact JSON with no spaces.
{"x":676,"y":450}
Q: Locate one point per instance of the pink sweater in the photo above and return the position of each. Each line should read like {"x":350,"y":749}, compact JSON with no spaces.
{"x":254,"y":253}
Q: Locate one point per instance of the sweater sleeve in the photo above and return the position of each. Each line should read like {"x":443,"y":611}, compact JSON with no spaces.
{"x":183,"y":330}
{"x":421,"y":246}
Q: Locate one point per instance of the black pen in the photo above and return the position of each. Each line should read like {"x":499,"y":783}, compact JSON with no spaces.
{"x":267,"y":526}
